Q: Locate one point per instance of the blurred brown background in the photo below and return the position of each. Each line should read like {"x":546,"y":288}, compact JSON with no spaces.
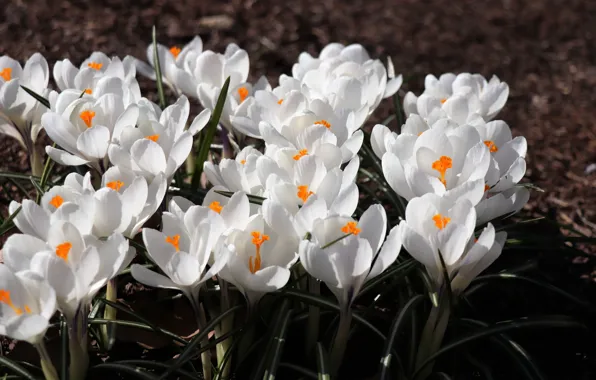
{"x":544,"y":50}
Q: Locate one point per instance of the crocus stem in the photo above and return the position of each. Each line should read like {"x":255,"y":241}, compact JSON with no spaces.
{"x":224,"y":327}
{"x":228,"y":151}
{"x":77,"y":344}
{"x":35,"y":161}
{"x":49,"y":371}
{"x":108,"y":330}
{"x":432,"y":335}
{"x":341,"y":339}
{"x":201,"y":323}
{"x":314,"y":317}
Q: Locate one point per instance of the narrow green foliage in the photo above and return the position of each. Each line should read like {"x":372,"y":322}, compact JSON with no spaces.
{"x":158,"y":77}
{"x":7,"y":224}
{"x":278,"y":347}
{"x":322,"y":363}
{"x":37,"y":97}
{"x":135,"y":372}
{"x":17,"y":369}
{"x":255,"y":199}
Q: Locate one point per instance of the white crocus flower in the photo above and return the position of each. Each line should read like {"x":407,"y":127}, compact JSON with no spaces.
{"x":182,"y":251}
{"x":97,"y":66}
{"x":483,"y":98}
{"x":26,"y":305}
{"x":345,"y":253}
{"x":436,"y":226}
{"x":443,"y":161}
{"x":239,"y":174}
{"x":171,"y":62}
{"x":260,"y":259}
{"x":157,"y":147}
{"x":86,"y":126}
{"x":20,"y":113}
{"x":505,"y":203}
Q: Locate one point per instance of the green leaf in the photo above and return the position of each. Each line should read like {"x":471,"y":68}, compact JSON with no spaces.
{"x":251,"y":198}
{"x":278,"y":347}
{"x":64,"y":348}
{"x":405,"y":312}
{"x":154,"y":364}
{"x":142,"y":326}
{"x":45,"y":175}
{"x":501,"y":327}
{"x":299,"y":369}
{"x":37,"y":97}
{"x":322,"y":363}
{"x":208,"y":133}
{"x":127,"y":369}
{"x":17,"y":176}
{"x":275,"y":326}
{"x":158,"y":77}
{"x":7,"y":225}
{"x":14,"y":367}
{"x":38,"y":188}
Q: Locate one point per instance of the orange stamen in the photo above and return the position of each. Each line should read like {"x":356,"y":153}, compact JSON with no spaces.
{"x":243,"y":162}
{"x":215,"y":206}
{"x":115,"y":185}
{"x":56,"y":201}
{"x":175,"y":50}
{"x":257,"y":240}
{"x":62,"y":250}
{"x":443,"y":100}
{"x":5,"y":299}
{"x":350,"y":228}
{"x":280,"y":101}
{"x":323,"y":122}
{"x":303,"y":192}
{"x":6,"y":73}
{"x":486,"y":187}
{"x":300,"y":154}
{"x":441,"y":165}
{"x":95,"y":65}
{"x":88,"y":91}
{"x":491,"y":146}
{"x":87,"y":117}
{"x":174,"y":240}
{"x":153,"y":138}
{"x":243,"y":93}
{"x":441,"y":221}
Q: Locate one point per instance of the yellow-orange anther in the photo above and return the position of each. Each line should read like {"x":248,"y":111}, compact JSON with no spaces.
{"x":303,"y":192}
{"x":323,"y":122}
{"x":280,"y":101}
{"x":216,"y":206}
{"x":300,"y":154}
{"x":95,"y":65}
{"x":62,"y":250}
{"x":5,"y":299}
{"x":350,"y":228}
{"x":441,"y":165}
{"x":115,"y":185}
{"x":88,"y":91}
{"x":243,"y":93}
{"x":441,"y":221}
{"x":491,"y":146}
{"x":175,"y":50}
{"x":174,"y":240}
{"x":443,"y":100}
{"x":243,"y":162}
{"x":153,"y":138}
{"x":56,"y":201}
{"x":87,"y":117}
{"x":27,"y":309}
{"x":257,"y":239}
{"x":486,"y":187}
{"x":5,"y":73}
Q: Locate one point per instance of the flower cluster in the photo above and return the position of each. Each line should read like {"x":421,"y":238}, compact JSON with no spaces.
{"x":289,"y":207}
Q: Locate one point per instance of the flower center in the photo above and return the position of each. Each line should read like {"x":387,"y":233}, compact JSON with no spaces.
{"x":87,"y":117}
{"x":56,"y":201}
{"x":5,"y":299}
{"x":175,"y":50}
{"x":153,"y":138}
{"x":441,"y":165}
{"x":443,"y":100}
{"x":491,"y":146}
{"x":174,"y":240}
{"x":62,"y":250}
{"x":95,"y":65}
{"x":215,"y":206}
{"x":486,"y":187}
{"x":303,"y":192}
{"x":257,"y":239}
{"x":323,"y":122}
{"x":88,"y":91}
{"x":350,"y":228}
{"x":441,"y":221}
{"x":6,"y":73}
{"x":243,"y":93}
{"x":115,"y":185}
{"x":243,"y":162}
{"x":280,"y":101}
{"x":300,"y":154}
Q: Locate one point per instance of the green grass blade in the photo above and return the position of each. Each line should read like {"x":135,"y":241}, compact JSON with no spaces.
{"x":157,"y":66}
{"x":299,"y":369}
{"x":38,"y":188}
{"x":251,"y":198}
{"x":208,"y":133}
{"x":136,"y":372}
{"x":7,"y":225}
{"x":322,"y":363}
{"x":17,"y":369}
{"x":37,"y":97}
{"x":138,"y":325}
{"x":275,"y":326}
{"x":278,"y":347}
{"x":154,"y":364}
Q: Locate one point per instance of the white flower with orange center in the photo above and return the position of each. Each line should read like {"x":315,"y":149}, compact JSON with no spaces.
{"x":183,"y":249}
{"x":172,"y":62}
{"x":260,"y":259}
{"x":27,"y":304}
{"x":437,"y":229}
{"x":443,"y":161}
{"x":239,"y":174}
{"x":345,"y":253}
